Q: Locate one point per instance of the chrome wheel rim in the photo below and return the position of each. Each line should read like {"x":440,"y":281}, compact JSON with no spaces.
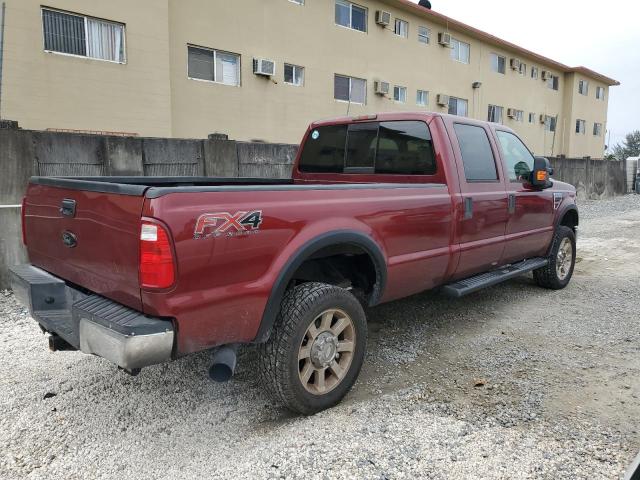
{"x":564,"y":259}
{"x":326,"y":351}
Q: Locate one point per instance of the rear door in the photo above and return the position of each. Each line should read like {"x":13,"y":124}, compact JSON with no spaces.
{"x":482,"y":211}
{"x":531,"y":212}
{"x":89,"y":238}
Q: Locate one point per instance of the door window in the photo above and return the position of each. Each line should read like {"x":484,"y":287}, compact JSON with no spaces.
{"x":477,"y":156}
{"x":517,"y":156}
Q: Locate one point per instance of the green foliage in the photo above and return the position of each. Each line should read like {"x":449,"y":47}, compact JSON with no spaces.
{"x":629,"y":148}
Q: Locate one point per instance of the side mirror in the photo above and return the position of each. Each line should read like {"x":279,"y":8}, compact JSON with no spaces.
{"x":541,"y":171}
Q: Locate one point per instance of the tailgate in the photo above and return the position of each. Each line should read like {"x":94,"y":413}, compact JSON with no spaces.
{"x":95,"y":246}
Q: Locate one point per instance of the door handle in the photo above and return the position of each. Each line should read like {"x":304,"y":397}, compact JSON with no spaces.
{"x":468,"y":208}
{"x":512,"y":203}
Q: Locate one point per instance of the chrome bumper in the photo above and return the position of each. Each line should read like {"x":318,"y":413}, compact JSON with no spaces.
{"x":91,"y":323}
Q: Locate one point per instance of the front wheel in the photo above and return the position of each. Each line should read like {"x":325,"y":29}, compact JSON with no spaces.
{"x":562,"y":260}
{"x":316,"y":348}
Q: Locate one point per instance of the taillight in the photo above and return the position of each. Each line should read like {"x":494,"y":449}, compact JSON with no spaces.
{"x":22,"y":220}
{"x":157,"y":269}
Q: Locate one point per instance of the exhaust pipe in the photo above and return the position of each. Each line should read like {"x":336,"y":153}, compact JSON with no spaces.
{"x":224,"y":363}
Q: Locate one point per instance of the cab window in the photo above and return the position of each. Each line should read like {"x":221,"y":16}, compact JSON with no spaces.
{"x":477,"y":156}
{"x":390,"y":148}
{"x":516,"y":155}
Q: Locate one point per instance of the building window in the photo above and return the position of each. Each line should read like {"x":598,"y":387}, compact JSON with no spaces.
{"x":424,"y":35}
{"x":518,"y":115}
{"x":401,"y":28}
{"x":83,"y":36}
{"x":532,"y":117}
{"x":597,"y":129}
{"x":458,"y":106}
{"x":495,"y":114}
{"x":460,"y":51}
{"x":400,"y":94}
{"x":498,"y":63}
{"x":553,"y":82}
{"x":583,"y":87}
{"x":550,"y":123}
{"x":293,"y":75}
{"x":534,"y":73}
{"x":297,"y":2}
{"x":349,"y":89}
{"x":214,"y":66}
{"x":422,"y":98}
{"x":351,"y":15}
{"x":600,"y":93}
{"x":522,"y":70}
{"x":581,"y":126}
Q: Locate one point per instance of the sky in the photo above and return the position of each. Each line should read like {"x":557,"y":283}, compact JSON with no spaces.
{"x":602,"y":36}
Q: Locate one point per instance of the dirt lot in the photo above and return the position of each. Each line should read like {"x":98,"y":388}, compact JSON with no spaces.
{"x":512,"y":382}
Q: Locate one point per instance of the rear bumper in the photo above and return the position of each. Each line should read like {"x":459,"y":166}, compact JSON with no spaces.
{"x":91,"y":323}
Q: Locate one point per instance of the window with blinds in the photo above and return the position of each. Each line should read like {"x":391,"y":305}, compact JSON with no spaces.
{"x":214,"y":66}
{"x":83,"y":36}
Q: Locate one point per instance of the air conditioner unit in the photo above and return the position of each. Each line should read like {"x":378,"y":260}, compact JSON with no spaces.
{"x":543,"y":118}
{"x":515,"y":64}
{"x":545,"y":75}
{"x":381,"y":88}
{"x":442,"y":100}
{"x":444,"y":39}
{"x":383,"y":18}
{"x":511,"y":112}
{"x":262,"y":66}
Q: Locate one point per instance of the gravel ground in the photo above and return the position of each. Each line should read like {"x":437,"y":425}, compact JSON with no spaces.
{"x":511,"y":382}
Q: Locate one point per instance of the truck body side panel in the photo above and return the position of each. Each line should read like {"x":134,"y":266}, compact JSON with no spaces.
{"x":224,"y":282}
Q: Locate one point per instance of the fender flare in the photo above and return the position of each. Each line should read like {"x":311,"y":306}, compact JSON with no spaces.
{"x":305,"y":252}
{"x":563,"y":211}
{"x":560,"y":215}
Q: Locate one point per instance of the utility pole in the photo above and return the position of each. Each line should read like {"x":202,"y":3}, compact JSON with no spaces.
{"x":2,"y":15}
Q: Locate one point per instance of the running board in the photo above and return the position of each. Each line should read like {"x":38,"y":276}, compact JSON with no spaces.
{"x":473,"y":284}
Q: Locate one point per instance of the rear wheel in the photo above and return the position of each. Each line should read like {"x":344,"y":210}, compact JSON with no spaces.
{"x":316,"y":348}
{"x":562,"y":260}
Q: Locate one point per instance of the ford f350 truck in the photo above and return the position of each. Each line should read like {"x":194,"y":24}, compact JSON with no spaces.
{"x":144,"y":270}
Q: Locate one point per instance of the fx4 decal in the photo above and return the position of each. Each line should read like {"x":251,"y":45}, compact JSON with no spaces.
{"x":227,"y":224}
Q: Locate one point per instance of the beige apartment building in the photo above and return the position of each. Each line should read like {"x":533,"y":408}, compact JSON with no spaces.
{"x":263,"y":70}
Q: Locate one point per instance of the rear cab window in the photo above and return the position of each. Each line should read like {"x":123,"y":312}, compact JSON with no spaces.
{"x":402,"y":147}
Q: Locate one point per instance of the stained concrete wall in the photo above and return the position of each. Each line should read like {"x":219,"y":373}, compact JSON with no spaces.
{"x":24,"y":153}
{"x":593,"y":179}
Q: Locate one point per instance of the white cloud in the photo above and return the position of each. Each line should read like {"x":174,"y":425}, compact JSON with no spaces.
{"x":603,"y":36}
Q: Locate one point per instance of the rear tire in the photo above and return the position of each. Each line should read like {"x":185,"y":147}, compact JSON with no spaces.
{"x":562,"y":259}
{"x":316,"y":348}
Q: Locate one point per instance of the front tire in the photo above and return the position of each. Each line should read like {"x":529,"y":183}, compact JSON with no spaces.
{"x":316,"y":349}
{"x":562,"y":259}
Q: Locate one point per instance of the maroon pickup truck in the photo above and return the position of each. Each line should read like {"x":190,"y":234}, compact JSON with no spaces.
{"x":143,"y":270}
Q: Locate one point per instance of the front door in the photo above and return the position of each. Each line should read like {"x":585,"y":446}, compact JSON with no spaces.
{"x":531,"y":211}
{"x":482,"y":211}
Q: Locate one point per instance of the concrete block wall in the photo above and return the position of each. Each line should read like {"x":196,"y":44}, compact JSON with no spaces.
{"x":593,"y":179}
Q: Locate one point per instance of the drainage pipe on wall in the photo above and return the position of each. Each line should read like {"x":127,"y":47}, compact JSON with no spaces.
{"x":2,"y":15}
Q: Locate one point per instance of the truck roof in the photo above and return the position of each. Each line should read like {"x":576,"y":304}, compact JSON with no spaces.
{"x":395,"y":116}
